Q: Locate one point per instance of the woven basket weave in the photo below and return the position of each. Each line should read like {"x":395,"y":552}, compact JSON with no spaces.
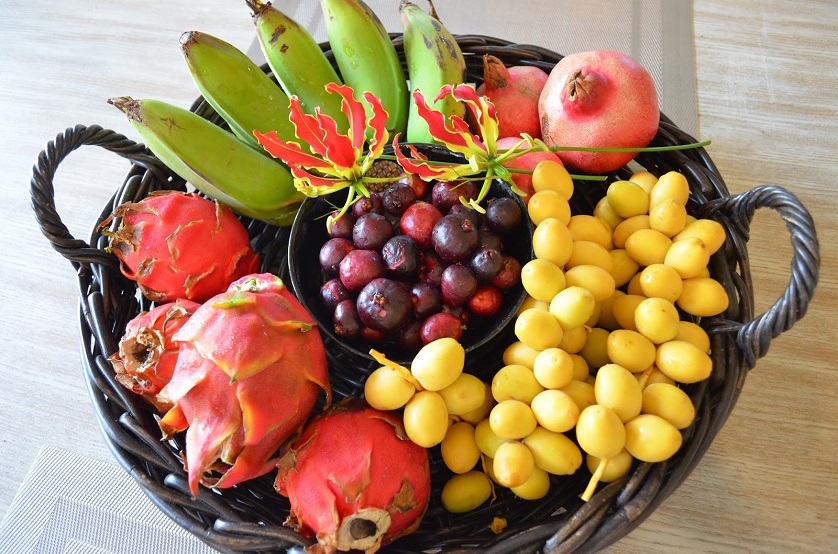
{"x":249,"y":517}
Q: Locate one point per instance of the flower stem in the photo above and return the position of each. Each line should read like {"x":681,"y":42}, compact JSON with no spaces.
{"x":572,"y":175}
{"x":512,"y":153}
{"x":576,"y":177}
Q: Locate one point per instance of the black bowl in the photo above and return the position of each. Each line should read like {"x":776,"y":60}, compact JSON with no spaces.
{"x":484,"y":338}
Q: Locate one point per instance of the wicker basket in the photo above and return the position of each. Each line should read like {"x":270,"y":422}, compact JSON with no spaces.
{"x":249,"y":517}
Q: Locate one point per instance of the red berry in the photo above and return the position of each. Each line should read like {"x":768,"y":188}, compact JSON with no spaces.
{"x":440,"y":326}
{"x":371,"y":335}
{"x":359,"y":267}
{"x":486,"y":301}
{"x":509,"y":275}
{"x":418,"y":222}
{"x":420,"y":186}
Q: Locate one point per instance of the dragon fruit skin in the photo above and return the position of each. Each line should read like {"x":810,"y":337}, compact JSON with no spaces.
{"x":147,"y":354}
{"x":353,"y":471}
{"x":250,"y":370}
{"x":180,"y":245}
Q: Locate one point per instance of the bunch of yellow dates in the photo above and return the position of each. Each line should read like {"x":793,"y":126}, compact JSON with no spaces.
{"x":603,"y":350}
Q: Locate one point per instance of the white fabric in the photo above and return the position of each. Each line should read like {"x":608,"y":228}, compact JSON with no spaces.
{"x":69,"y":504}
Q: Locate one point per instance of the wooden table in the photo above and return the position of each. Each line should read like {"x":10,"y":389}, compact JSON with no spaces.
{"x":766,"y":77}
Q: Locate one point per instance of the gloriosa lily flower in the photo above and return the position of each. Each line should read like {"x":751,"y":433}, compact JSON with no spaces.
{"x":481,"y":152}
{"x":337,"y":161}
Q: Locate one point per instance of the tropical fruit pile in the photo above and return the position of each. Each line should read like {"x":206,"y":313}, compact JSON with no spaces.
{"x":606,"y":341}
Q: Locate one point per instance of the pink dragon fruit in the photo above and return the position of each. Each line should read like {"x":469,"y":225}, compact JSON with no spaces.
{"x":250,"y":369}
{"x":147,"y":354}
{"x":180,"y":245}
{"x":354,"y":479}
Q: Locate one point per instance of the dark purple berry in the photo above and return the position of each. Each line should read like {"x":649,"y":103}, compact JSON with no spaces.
{"x":409,"y":337}
{"x":431,"y":267}
{"x":384,"y":305}
{"x":332,"y":252}
{"x":371,"y":231}
{"x":486,"y":262}
{"x":503,"y":215}
{"x":365,"y":205}
{"x":460,"y":312}
{"x":359,"y":267}
{"x":394,"y":221}
{"x":444,"y":194}
{"x":469,"y":213}
{"x":397,"y":198}
{"x":459,"y":283}
{"x":427,"y":299}
{"x":489,"y":239}
{"x":401,"y":257}
{"x":342,"y":226}
{"x":346,"y":321}
{"x":332,"y":293}
{"x":454,"y":238}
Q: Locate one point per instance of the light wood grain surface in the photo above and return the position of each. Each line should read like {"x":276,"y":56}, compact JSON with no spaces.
{"x":767,"y":76}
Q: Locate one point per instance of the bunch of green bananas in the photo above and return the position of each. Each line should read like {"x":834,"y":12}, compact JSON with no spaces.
{"x":230,"y":166}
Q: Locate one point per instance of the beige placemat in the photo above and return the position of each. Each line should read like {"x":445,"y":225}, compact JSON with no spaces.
{"x":657,"y":33}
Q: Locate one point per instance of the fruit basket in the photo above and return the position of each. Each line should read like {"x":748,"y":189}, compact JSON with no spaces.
{"x":250,"y":516}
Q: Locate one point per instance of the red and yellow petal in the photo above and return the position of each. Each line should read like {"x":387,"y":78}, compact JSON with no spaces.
{"x":378,"y":124}
{"x":311,"y":184}
{"x":289,"y":152}
{"x":307,"y":128}
{"x":355,"y":113}
{"x":416,"y":165}
{"x":437,"y":125}
{"x":339,"y":149}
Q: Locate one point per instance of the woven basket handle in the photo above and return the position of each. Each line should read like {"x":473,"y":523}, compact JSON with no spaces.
{"x":755,"y":336}
{"x":43,"y":192}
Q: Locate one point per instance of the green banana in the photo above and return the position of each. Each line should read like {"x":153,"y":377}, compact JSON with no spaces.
{"x":433,"y":59}
{"x":242,"y":94}
{"x":297,"y":62}
{"x":214,"y":160}
{"x":366,"y":57}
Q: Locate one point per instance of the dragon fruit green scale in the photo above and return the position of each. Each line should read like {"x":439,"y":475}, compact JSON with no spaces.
{"x":251,"y":366}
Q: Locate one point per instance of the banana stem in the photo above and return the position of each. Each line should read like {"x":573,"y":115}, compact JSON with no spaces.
{"x":255,"y":6}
